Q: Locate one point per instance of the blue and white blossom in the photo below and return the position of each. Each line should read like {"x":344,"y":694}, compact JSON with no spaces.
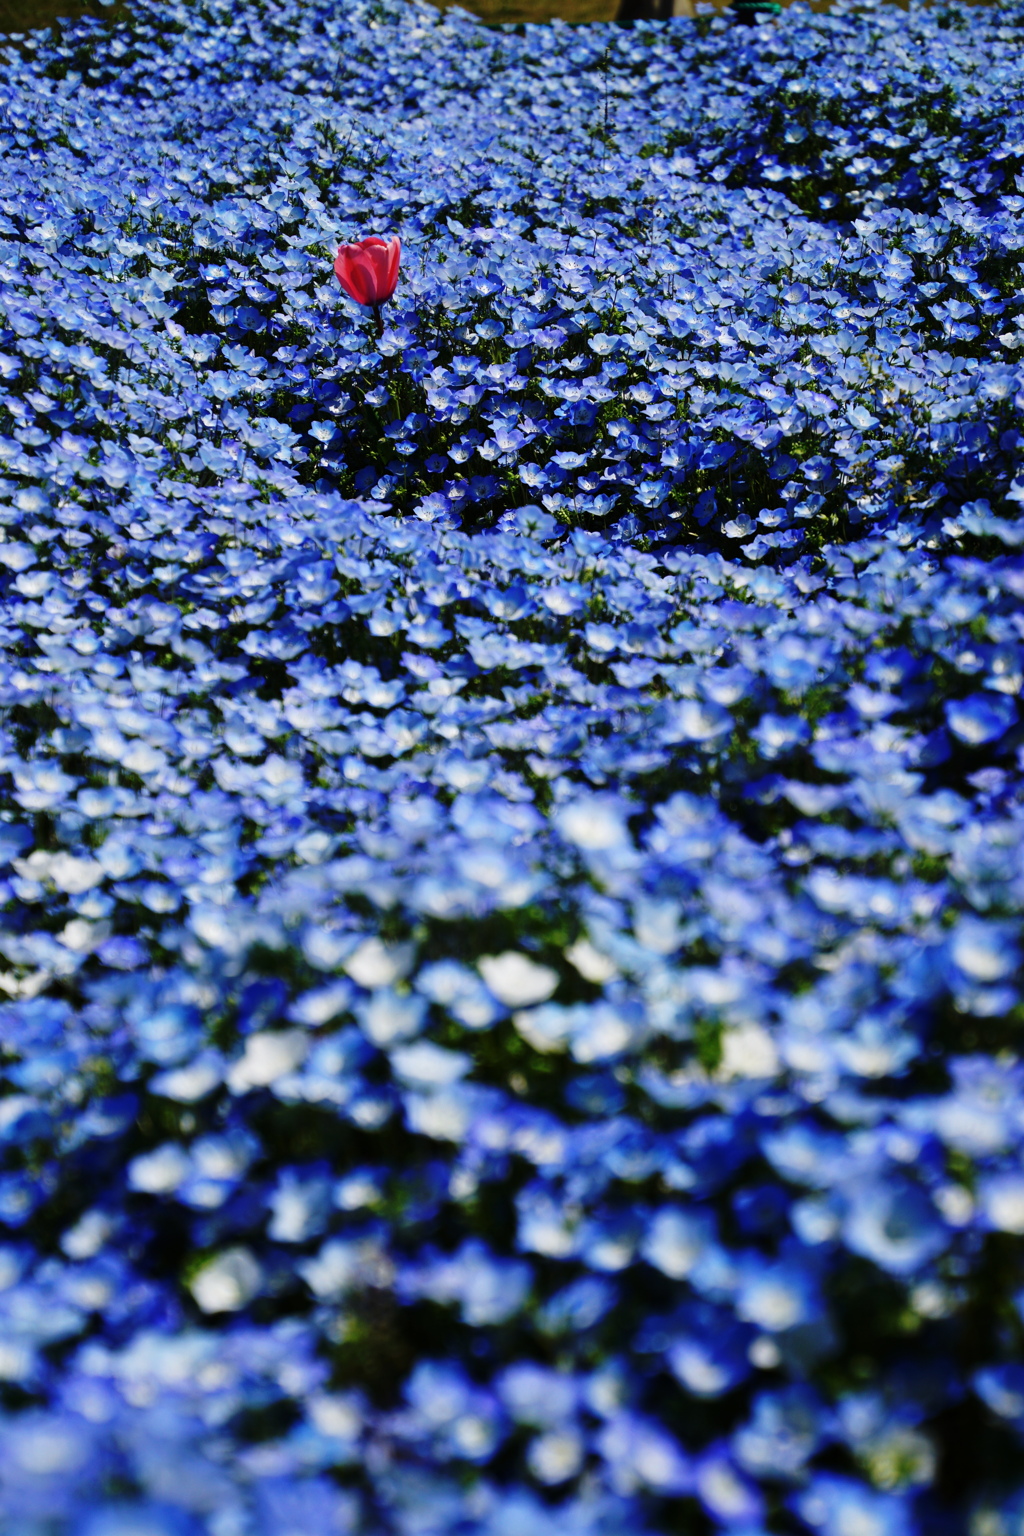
{"x":510,"y":831}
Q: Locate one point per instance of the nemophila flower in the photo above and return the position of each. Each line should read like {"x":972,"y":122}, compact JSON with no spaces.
{"x":227,"y":1282}
{"x":425,"y":913}
{"x":896,"y":1226}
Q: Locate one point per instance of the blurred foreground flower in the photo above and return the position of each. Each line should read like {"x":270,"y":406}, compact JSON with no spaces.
{"x":368,"y":272}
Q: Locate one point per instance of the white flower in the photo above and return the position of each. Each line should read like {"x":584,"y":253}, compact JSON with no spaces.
{"x":591,"y":963}
{"x":267,"y":1056}
{"x":425,"y":1065}
{"x":516,"y":980}
{"x":556,"y":1456}
{"x":161,"y":1171}
{"x":66,"y":871}
{"x":376,"y":964}
{"x":388,"y":1016}
{"x":228,"y":1283}
{"x":595,"y":823}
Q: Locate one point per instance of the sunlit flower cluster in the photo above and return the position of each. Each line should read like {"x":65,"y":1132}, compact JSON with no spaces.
{"x":511,"y":830}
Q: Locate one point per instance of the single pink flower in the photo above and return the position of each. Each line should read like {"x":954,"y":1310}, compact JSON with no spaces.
{"x":368,"y":270}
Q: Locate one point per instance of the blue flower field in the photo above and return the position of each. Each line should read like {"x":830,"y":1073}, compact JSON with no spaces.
{"x":512,"y":831}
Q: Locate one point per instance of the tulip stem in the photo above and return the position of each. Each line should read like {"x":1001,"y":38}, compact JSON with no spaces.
{"x":378,"y":320}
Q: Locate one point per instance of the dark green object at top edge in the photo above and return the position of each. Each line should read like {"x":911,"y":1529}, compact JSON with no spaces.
{"x":750,"y":10}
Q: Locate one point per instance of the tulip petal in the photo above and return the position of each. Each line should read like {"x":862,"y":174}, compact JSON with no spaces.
{"x":394,"y":261}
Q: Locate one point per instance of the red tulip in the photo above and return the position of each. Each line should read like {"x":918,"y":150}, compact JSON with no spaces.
{"x":368,"y":270}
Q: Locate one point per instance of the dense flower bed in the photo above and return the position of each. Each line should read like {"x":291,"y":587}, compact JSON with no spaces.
{"x":512,"y":833}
